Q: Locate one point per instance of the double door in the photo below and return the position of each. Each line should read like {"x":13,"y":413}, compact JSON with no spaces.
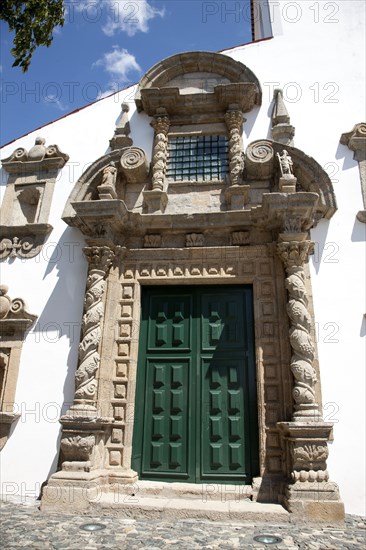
{"x":196,"y":406}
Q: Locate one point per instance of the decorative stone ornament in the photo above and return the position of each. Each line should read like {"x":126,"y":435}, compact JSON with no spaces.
{"x":195,"y":239}
{"x":134,"y":164}
{"x":282,"y":130}
{"x":122,"y":131}
{"x":27,"y":199}
{"x":356,"y":141}
{"x":14,"y":323}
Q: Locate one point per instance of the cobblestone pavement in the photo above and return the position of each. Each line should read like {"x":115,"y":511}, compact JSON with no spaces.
{"x":24,"y":526}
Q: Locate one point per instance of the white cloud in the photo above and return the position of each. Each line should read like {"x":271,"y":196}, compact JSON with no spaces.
{"x":108,"y":92}
{"x":129,"y":17}
{"x":54,"y":101}
{"x":119,"y":63}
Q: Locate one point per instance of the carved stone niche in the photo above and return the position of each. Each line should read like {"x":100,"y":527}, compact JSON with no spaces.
{"x":27,"y":201}
{"x":14,"y":322}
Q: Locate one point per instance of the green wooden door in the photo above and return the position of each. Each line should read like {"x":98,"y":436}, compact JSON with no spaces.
{"x":196,"y":407}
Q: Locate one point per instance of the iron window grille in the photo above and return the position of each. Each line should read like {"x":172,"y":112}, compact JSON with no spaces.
{"x":197,"y":158}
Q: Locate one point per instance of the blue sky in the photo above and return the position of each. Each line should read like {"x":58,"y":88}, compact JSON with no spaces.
{"x":104,"y":46}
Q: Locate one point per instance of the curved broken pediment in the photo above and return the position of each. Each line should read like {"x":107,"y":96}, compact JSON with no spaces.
{"x":106,"y":178}
{"x":204,"y":81}
{"x":262,"y":163}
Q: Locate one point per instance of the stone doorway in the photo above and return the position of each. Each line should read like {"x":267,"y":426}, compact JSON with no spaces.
{"x":196,"y":407}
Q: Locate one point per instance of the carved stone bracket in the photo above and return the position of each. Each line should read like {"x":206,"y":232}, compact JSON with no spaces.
{"x":356,"y":141}
{"x":293,"y":255}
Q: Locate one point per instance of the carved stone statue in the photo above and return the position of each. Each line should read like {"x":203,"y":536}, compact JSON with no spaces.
{"x":107,"y":189}
{"x":110,"y":175}
{"x":286,"y":163}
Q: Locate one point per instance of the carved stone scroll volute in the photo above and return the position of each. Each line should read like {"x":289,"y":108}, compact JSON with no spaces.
{"x":293,"y":255}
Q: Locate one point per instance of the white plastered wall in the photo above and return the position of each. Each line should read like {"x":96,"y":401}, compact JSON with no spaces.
{"x":53,"y":285}
{"x":317,"y":58}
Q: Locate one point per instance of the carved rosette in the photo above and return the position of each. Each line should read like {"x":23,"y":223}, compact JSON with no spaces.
{"x":100,"y":259}
{"x":234,"y":121}
{"x":293,"y":255}
{"x":161,"y":124}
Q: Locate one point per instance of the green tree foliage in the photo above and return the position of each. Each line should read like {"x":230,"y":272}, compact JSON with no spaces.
{"x":33,"y":22}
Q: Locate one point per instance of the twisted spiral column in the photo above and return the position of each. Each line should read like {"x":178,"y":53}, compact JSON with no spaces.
{"x":100,"y":259}
{"x":293,"y":255}
{"x":161,"y":124}
{"x":234,"y":120}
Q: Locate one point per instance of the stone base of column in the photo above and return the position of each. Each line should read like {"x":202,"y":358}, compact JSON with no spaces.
{"x":310,"y":496}
{"x":237,"y":196}
{"x":287,"y":184}
{"x":155,"y":201}
{"x":107,"y":192}
{"x":70,"y":491}
{"x":312,"y":501}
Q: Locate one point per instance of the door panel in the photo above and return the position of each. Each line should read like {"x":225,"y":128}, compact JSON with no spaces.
{"x":166,"y":430}
{"x":196,"y":371}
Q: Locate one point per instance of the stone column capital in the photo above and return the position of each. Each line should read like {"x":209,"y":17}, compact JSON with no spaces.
{"x":294,"y":253}
{"x":161,"y":123}
{"x":99,"y":257}
{"x":234,"y":119}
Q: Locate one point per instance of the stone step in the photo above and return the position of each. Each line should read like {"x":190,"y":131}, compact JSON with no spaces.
{"x":201,"y":491}
{"x":159,"y":507}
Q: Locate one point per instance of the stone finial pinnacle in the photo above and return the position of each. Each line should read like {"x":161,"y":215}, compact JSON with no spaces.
{"x":282,"y":130}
